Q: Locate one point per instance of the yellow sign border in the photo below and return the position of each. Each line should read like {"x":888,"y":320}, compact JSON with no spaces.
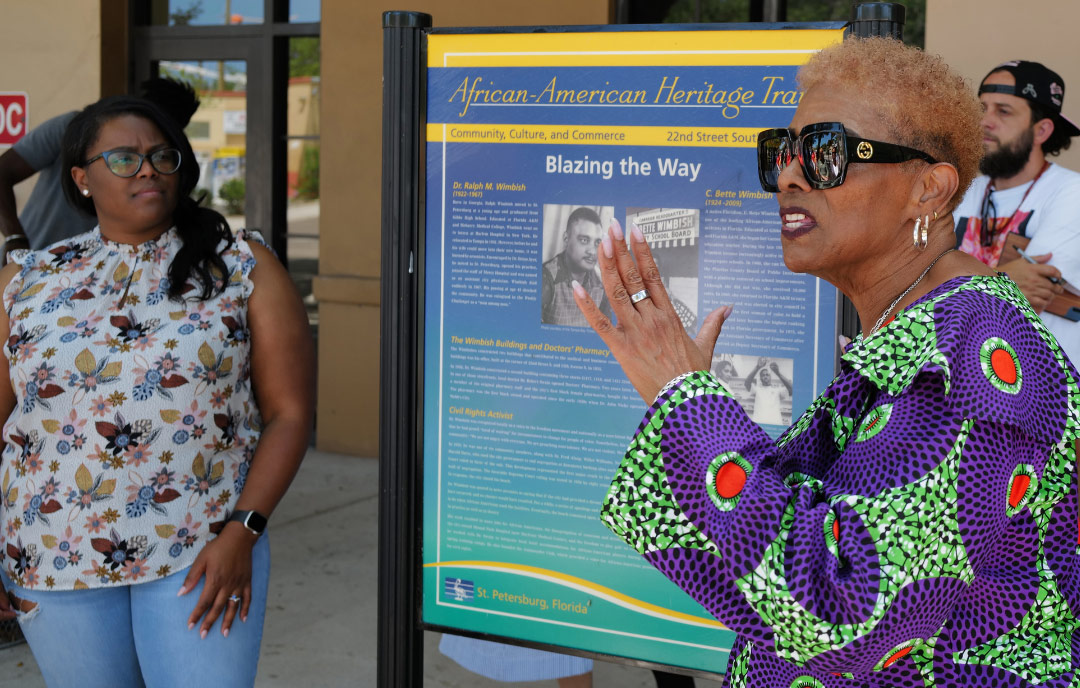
{"x":635,"y":49}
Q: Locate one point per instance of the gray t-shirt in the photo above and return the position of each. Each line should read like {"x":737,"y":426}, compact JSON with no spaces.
{"x":47,"y":217}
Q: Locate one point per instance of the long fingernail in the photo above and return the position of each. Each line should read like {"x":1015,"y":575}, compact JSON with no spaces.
{"x":203,"y":634}
{"x":243,"y":617}
{"x":729,"y":309}
{"x":181,"y":591}
{"x":635,"y":232}
{"x":608,"y":250}
{"x":191,"y":625}
{"x":616,"y":229}
{"x":225,"y":632}
{"x":578,"y":289}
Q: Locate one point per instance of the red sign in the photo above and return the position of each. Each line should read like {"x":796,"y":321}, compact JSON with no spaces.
{"x":14,"y":111}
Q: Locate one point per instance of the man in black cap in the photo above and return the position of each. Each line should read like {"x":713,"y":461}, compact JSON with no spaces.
{"x":1022,"y":198}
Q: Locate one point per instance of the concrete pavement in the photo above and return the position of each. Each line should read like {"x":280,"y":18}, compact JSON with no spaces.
{"x":321,"y":620}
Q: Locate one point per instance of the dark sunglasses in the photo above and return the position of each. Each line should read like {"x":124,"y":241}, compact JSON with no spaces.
{"x":824,"y":151}
{"x":124,"y":163}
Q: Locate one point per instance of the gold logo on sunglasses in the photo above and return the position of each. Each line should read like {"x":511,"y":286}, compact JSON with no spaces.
{"x":865,"y":150}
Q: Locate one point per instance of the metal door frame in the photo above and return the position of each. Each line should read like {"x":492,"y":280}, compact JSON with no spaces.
{"x":265,"y":49}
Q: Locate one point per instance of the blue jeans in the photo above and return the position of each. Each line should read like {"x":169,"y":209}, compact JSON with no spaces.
{"x":137,"y":635}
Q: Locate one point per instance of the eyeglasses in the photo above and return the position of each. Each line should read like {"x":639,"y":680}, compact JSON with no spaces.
{"x":824,"y":151}
{"x":124,"y":163}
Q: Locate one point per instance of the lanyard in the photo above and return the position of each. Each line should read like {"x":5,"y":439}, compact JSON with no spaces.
{"x":990,"y":225}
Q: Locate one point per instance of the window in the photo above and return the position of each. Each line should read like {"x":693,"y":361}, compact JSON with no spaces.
{"x":197,"y":130}
{"x":205,"y":12}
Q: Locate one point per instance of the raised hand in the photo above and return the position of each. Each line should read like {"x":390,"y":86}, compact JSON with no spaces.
{"x":649,"y":341}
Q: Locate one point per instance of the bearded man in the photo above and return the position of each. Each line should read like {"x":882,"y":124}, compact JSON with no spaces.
{"x":1023,"y":195}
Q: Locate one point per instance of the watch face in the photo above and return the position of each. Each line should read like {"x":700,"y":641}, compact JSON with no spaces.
{"x":255,"y":521}
{"x":252,"y":520}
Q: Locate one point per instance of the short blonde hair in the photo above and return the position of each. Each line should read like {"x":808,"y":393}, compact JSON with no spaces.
{"x":925,"y":103}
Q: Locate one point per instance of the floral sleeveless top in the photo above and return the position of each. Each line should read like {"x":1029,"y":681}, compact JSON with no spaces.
{"x":134,"y":423}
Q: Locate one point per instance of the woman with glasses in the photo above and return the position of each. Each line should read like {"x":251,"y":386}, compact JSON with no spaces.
{"x":917,"y":526}
{"x":159,"y":404}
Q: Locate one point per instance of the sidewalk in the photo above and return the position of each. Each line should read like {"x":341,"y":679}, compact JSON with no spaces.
{"x":321,"y":620}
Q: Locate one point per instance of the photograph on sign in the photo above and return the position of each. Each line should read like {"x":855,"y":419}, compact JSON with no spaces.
{"x":761,"y":385}
{"x":536,"y":144}
{"x":572,"y":237}
{"x":672,"y":235}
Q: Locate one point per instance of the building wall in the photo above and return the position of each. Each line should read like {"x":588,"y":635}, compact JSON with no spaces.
{"x":348,"y":282}
{"x":975,"y":35}
{"x":57,"y":63}
{"x":211,"y":116}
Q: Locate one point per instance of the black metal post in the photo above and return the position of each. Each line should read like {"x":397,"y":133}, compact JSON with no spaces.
{"x":878,"y":19}
{"x":400,"y":641}
{"x":770,"y":11}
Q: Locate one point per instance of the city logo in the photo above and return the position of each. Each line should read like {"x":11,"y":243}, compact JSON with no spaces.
{"x":458,"y":589}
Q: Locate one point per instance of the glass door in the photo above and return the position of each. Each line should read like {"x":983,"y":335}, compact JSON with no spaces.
{"x":217,"y":131}
{"x":256,"y":67}
{"x":302,"y":167}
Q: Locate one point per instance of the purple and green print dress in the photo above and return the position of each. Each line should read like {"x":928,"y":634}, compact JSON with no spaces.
{"x":916,"y":527}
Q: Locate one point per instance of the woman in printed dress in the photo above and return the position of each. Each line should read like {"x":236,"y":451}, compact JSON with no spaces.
{"x":159,"y":405}
{"x":917,"y":526}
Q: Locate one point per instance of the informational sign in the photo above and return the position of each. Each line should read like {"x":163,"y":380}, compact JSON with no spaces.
{"x":14,"y":114}
{"x":536,"y":142}
{"x":226,"y":164}
{"x":234,"y":121}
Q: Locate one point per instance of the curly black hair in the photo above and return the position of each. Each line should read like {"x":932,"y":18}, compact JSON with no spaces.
{"x":176,"y":98}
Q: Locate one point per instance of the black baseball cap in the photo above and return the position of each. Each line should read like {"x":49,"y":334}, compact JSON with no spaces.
{"x":1037,"y":83}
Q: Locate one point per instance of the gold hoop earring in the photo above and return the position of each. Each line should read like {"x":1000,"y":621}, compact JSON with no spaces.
{"x":918,"y":237}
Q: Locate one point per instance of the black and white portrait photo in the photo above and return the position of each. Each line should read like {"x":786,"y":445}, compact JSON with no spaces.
{"x":572,"y":236}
